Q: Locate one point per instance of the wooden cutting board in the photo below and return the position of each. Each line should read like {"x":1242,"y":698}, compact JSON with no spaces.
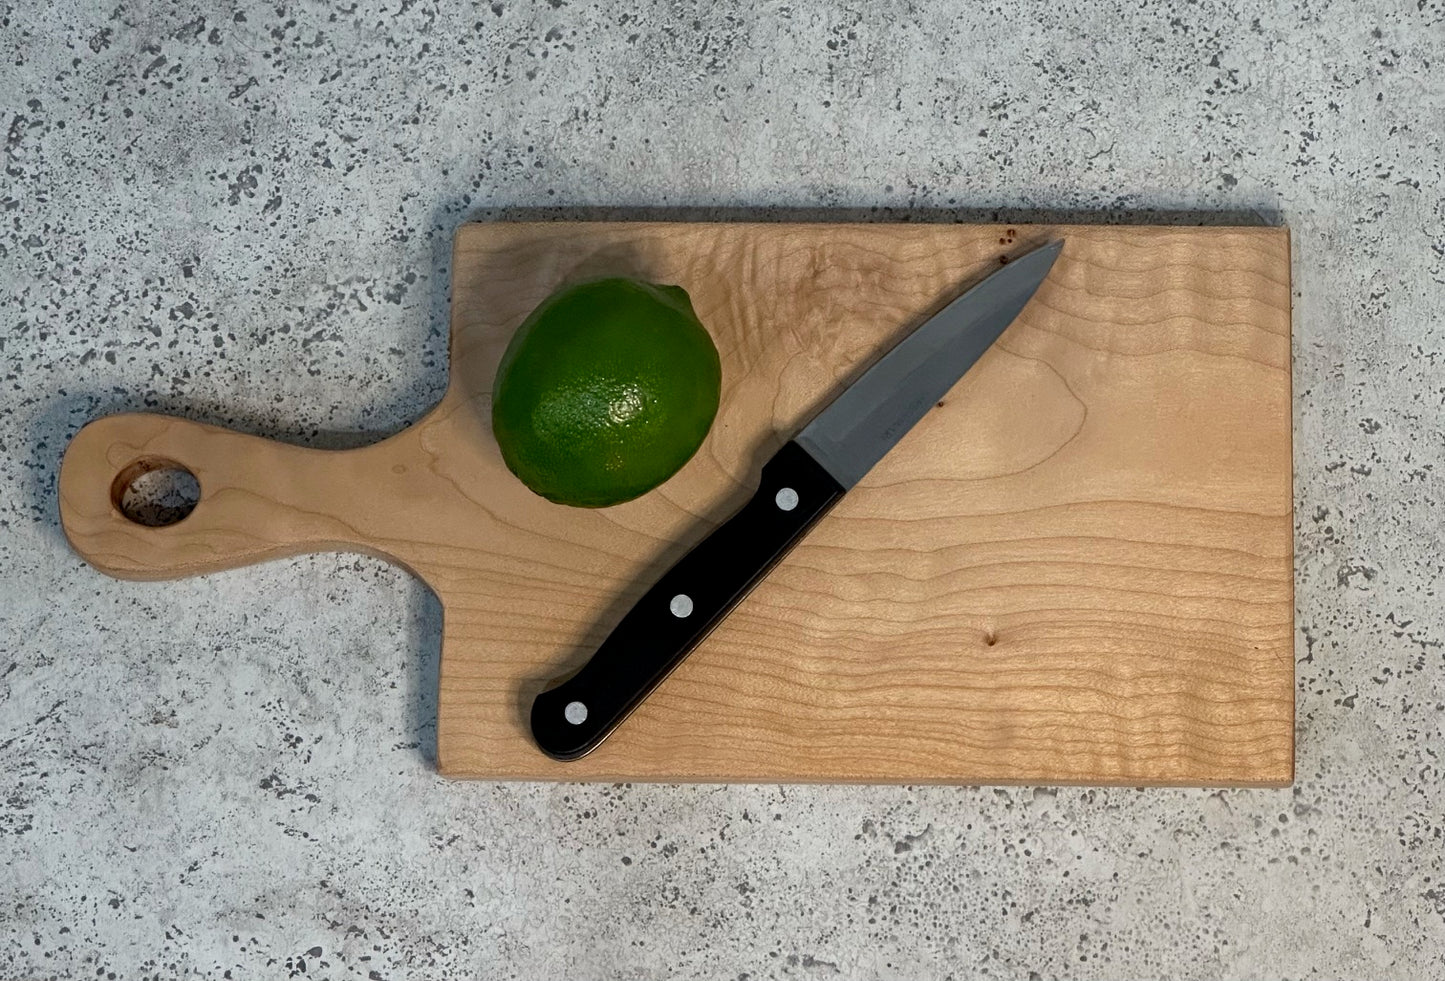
{"x":1077,"y":569}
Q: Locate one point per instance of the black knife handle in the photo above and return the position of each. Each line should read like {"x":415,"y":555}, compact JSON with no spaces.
{"x":690,"y":599}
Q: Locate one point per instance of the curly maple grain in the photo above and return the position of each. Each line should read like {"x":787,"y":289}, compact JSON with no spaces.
{"x":1076,"y":569}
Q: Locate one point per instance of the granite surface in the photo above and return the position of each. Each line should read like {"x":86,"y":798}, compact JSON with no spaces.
{"x":241,"y":212}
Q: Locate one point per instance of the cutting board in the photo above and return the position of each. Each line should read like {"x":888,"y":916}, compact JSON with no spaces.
{"x":1076,"y":569}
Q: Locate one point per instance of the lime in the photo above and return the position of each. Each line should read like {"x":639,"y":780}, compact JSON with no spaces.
{"x":605,"y":391}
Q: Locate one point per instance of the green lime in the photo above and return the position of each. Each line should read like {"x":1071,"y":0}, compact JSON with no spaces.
{"x":605,"y":391}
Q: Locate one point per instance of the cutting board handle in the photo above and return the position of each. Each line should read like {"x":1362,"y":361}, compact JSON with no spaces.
{"x":259,"y":499}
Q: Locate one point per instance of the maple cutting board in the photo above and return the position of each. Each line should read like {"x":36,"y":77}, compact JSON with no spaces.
{"x":1076,"y":569}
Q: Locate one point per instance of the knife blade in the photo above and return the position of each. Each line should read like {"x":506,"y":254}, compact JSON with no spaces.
{"x":799,"y":485}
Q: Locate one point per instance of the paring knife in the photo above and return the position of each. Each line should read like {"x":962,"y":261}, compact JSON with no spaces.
{"x":800,"y":484}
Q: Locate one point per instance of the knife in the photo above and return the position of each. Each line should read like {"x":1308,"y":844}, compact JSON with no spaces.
{"x":799,"y":485}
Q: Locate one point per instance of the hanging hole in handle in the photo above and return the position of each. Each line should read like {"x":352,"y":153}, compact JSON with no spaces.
{"x":155,"y":492}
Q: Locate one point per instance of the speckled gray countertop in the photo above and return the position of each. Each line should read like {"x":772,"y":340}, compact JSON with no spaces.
{"x":241,"y":212}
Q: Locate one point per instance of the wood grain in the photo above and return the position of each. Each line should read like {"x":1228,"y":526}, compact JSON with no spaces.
{"x":1077,"y":569}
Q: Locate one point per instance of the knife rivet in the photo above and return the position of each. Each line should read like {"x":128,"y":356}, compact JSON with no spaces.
{"x":575,"y":713}
{"x":681,"y":605}
{"x":787,"y":499}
